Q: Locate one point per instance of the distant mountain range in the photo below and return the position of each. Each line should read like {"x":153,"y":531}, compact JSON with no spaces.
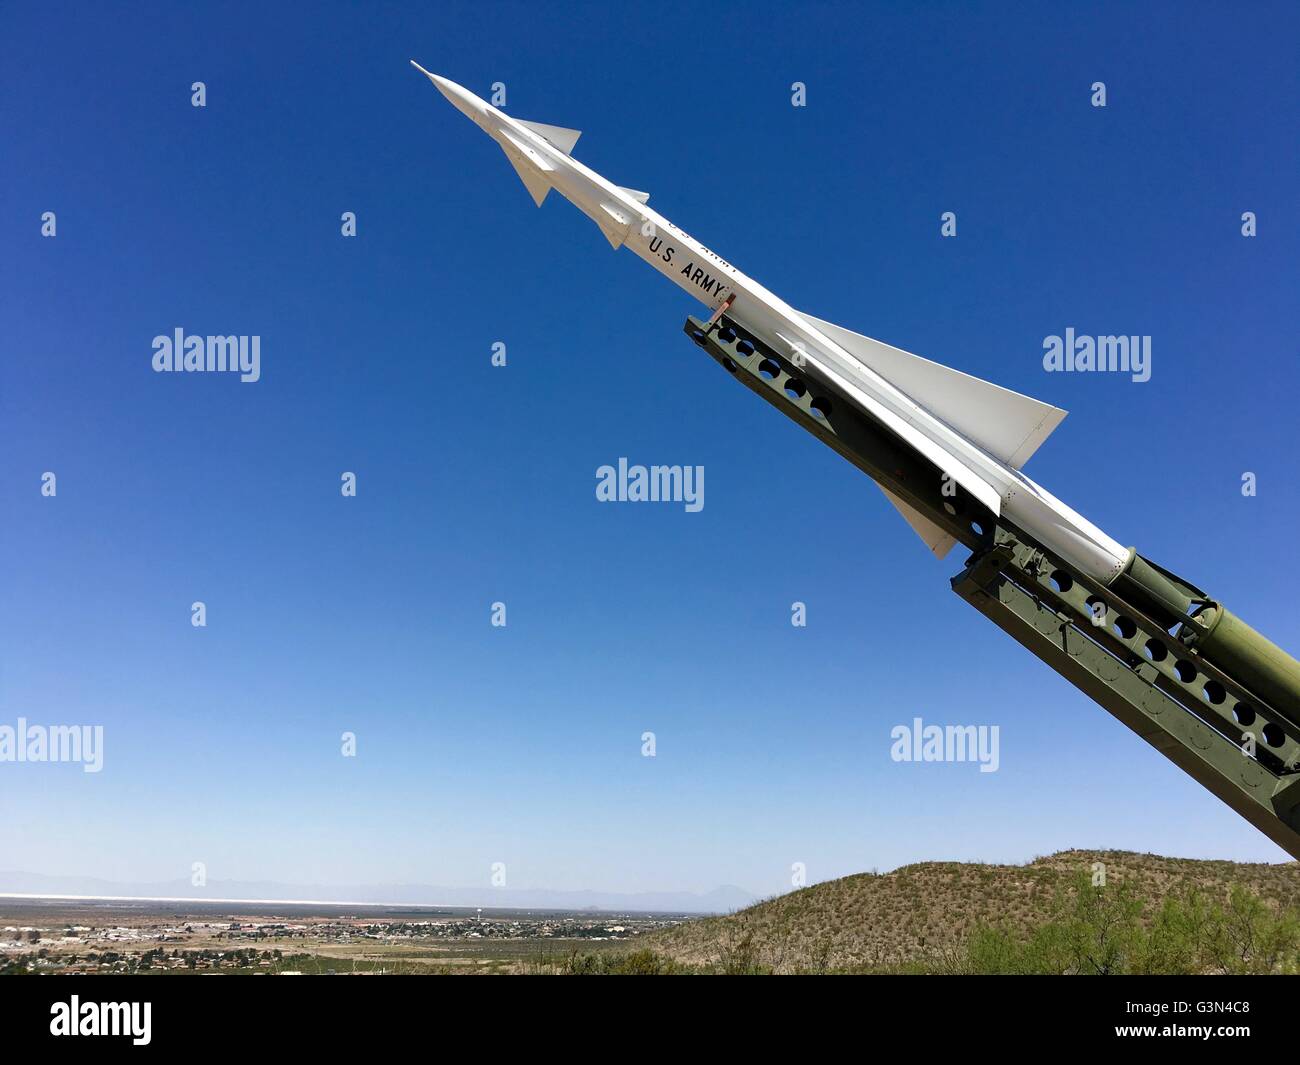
{"x":726,"y":899}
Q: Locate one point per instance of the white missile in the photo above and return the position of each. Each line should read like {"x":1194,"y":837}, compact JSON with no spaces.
{"x":978,"y":433}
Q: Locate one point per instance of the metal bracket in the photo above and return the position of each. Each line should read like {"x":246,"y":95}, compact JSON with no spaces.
{"x":1049,"y":608}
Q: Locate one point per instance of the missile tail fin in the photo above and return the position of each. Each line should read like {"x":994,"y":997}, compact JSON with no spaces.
{"x":933,"y":537}
{"x":1006,"y":424}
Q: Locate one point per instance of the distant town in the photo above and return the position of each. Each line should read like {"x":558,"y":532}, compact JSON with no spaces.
{"x":51,"y":937}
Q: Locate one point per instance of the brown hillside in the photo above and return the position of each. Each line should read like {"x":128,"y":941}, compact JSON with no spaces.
{"x":928,"y":910}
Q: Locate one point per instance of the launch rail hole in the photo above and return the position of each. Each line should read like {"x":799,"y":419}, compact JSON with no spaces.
{"x":1061,"y":581}
{"x":1273,"y":735}
{"x":728,"y":365}
{"x":1213,"y":692}
{"x":1185,"y":670}
{"x":1244,"y":713}
{"x":821,"y":407}
{"x":768,"y":369}
{"x":795,"y":389}
{"x":1097,"y":609}
{"x":1125,"y":628}
{"x":1156,"y":651}
{"x":726,"y":334}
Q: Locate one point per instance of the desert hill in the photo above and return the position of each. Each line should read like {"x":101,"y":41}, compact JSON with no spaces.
{"x":1151,"y":913}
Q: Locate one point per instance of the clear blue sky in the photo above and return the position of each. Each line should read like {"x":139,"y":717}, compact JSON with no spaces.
{"x":522,"y":745}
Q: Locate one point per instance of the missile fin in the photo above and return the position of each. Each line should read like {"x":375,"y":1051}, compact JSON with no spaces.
{"x":932,"y":536}
{"x":1006,"y":424}
{"x":614,"y":223}
{"x":640,"y":197}
{"x":905,"y":430}
{"x":556,"y":136}
{"x":529,"y":165}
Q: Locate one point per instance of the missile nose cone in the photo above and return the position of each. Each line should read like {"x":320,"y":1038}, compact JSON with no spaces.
{"x":461,"y":98}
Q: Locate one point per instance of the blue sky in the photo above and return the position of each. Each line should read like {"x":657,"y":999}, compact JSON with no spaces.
{"x":476,"y":484}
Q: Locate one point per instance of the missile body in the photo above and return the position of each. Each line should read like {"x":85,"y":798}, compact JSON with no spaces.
{"x":975,"y":432}
{"x":947,"y":449}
